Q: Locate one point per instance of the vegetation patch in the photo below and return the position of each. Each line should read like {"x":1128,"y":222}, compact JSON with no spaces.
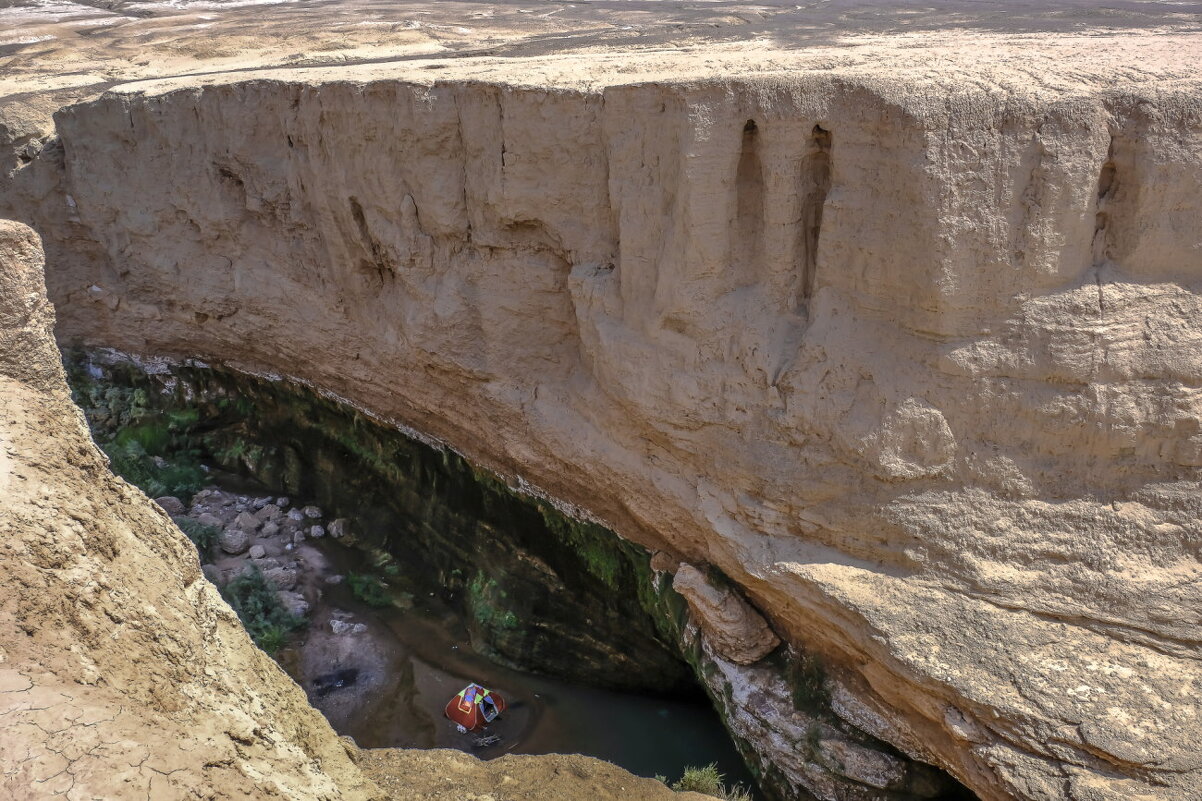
{"x":264,"y":617}
{"x":202,"y":536}
{"x":807,"y":678}
{"x":708,"y":781}
{"x":483,"y":597}
{"x":369,"y":589}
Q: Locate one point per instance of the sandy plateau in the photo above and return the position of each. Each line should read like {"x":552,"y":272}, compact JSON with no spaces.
{"x":891,"y":316}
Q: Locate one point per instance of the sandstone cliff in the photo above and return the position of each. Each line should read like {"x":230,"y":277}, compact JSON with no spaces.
{"x":124,"y":675}
{"x":911,"y":355}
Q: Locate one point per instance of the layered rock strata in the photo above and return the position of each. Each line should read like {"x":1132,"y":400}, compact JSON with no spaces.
{"x":731,"y":625}
{"x":912,"y":359}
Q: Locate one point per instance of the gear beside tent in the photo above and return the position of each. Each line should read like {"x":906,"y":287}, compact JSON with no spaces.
{"x":474,"y":707}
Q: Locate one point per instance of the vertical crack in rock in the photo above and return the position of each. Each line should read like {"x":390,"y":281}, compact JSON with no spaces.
{"x":749,"y":209}
{"x":1103,"y":244}
{"x":380,"y":263}
{"x":462,"y":150}
{"x":1031,"y":202}
{"x":815,"y":184}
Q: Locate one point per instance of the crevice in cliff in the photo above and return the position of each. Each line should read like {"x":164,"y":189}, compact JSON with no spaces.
{"x":233,"y":183}
{"x":749,"y":206}
{"x":379,"y":266}
{"x":1102,"y":247}
{"x":815,"y":184}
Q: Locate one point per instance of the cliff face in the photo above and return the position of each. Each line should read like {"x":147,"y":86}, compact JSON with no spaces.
{"x":915,"y":361}
{"x":123,"y":674}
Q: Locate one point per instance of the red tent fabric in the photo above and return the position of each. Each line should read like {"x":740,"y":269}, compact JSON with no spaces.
{"x":474,"y":707}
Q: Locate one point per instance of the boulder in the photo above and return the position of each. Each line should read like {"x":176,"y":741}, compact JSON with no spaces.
{"x":340,"y":627}
{"x":270,"y":529}
{"x":312,"y":512}
{"x":259,"y":503}
{"x":283,"y":577}
{"x":234,"y":541}
{"x":296,"y":515}
{"x":339,"y":528}
{"x":172,"y":505}
{"x":257,"y":552}
{"x":730,"y":624}
{"x":247,"y":522}
{"x":317,"y":532}
{"x":209,"y":519}
{"x":282,"y":502}
{"x":268,"y":512}
{"x":294,"y":602}
{"x":212,"y":573}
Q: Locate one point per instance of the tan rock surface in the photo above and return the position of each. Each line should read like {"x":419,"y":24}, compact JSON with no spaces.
{"x":442,"y":775}
{"x":914,"y":359}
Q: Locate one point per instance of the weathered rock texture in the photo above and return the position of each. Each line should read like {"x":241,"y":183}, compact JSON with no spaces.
{"x":731,"y":625}
{"x":912,"y":355}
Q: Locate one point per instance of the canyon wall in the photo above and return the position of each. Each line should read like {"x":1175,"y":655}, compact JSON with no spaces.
{"x":123,"y":674}
{"x":911,"y":357}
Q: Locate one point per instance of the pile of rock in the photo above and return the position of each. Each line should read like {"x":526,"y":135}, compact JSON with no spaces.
{"x":260,"y":532}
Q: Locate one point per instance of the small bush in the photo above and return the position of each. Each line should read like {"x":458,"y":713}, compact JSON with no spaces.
{"x":260,"y":610}
{"x":708,"y":781}
{"x":273,"y":638}
{"x":202,"y":536}
{"x":181,"y":478}
{"x":368,"y":589}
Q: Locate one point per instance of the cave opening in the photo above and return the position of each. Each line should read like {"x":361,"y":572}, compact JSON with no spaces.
{"x":454,"y":576}
{"x":473,"y":580}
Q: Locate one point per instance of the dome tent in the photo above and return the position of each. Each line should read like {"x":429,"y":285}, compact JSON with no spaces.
{"x":475,"y":706}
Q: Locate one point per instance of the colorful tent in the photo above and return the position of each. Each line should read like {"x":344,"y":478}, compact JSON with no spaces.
{"x":475,"y":706}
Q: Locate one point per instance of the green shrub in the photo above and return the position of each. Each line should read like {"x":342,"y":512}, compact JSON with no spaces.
{"x":368,"y":589}
{"x":485,"y":600}
{"x":260,"y":610}
{"x":202,"y":536}
{"x":708,"y":781}
{"x":273,"y":638}
{"x":181,"y":478}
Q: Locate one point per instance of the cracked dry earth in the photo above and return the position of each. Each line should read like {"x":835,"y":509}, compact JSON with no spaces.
{"x":123,"y":675}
